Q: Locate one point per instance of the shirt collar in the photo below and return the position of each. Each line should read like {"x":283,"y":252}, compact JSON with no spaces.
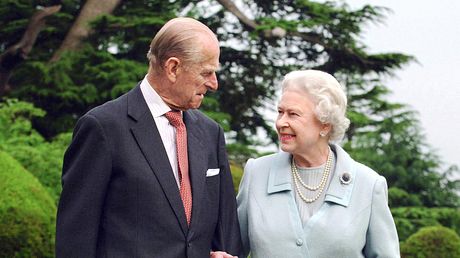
{"x":155,"y":103}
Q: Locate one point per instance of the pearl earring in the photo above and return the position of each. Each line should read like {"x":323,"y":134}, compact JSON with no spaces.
{"x":322,"y":134}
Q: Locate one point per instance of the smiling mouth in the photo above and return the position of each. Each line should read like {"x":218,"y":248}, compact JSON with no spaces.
{"x":286,"y":137}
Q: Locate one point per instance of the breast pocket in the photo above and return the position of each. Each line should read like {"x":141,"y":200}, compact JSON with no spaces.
{"x":213,"y":185}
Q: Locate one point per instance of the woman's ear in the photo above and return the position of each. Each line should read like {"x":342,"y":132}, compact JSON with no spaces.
{"x":172,"y":68}
{"x":325,"y":130}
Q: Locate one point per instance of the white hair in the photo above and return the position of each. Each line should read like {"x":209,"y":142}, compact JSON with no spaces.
{"x":327,"y":94}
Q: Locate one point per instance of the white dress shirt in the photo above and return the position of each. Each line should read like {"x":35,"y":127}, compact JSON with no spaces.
{"x":158,"y":108}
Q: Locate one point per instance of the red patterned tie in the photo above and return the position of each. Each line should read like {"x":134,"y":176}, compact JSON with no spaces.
{"x":175,"y":119}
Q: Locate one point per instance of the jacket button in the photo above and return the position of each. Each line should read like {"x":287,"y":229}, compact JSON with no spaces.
{"x":299,"y":242}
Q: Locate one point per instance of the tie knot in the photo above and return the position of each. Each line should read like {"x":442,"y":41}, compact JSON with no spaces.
{"x":175,"y":118}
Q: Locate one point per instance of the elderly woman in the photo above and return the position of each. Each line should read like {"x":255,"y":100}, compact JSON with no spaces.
{"x":312,"y":199}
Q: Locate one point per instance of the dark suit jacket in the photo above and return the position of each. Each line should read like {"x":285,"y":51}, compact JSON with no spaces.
{"x":120,"y":197}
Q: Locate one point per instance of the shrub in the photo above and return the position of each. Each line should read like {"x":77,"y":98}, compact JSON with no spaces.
{"x":399,"y":198}
{"x":237,"y":173}
{"x":17,"y":138}
{"x":44,"y":161}
{"x":410,"y":219}
{"x":27,"y":213}
{"x":436,"y":241}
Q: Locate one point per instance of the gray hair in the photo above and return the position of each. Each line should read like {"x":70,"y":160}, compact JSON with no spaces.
{"x":181,"y":38}
{"x":327,"y":94}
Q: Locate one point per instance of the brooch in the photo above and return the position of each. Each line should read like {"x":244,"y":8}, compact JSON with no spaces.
{"x":345,"y":178}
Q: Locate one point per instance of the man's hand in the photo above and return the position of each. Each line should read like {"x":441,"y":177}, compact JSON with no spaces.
{"x":221,"y":255}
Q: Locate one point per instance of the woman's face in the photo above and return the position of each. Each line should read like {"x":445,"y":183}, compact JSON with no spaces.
{"x":297,"y":126}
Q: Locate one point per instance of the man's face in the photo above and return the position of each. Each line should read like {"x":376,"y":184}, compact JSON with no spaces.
{"x":195,"y":80}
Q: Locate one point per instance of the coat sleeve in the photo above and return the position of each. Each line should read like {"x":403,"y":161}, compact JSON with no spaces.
{"x":85,"y":176}
{"x":242,"y":200}
{"x":227,"y":237}
{"x":382,"y":237}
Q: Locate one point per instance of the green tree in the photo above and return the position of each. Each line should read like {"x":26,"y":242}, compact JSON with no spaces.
{"x":258,"y":47}
{"x":386,"y":136}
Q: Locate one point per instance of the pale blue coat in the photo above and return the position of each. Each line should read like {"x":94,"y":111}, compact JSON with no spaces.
{"x":353,"y":222}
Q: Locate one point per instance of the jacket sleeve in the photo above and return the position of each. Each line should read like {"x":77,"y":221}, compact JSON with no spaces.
{"x":227,"y":237}
{"x":382,"y":237}
{"x":242,"y":200}
{"x":85,"y":176}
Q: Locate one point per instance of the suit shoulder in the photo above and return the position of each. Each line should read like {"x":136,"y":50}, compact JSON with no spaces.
{"x":264,"y":159}
{"x":109,"y":108}
{"x":202,"y":117}
{"x":263,"y":163}
{"x":366,"y":173}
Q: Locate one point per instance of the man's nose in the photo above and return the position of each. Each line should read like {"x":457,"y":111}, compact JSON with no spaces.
{"x":212,"y":84}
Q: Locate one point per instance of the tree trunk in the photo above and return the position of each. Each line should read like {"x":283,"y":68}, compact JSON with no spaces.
{"x":18,"y":52}
{"x":80,"y":28}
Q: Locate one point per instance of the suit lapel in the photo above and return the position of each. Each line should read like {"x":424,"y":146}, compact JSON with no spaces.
{"x":149,"y":140}
{"x":197,"y":161}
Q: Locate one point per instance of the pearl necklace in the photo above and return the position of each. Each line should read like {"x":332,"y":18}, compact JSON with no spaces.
{"x":320,"y":186}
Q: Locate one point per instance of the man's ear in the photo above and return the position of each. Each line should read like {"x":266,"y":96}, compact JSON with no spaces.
{"x":172,"y":68}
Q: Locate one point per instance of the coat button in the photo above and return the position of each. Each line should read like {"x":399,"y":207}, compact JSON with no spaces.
{"x":299,"y":242}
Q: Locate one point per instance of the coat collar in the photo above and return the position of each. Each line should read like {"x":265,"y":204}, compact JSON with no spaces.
{"x":339,"y":191}
{"x":279,"y":177}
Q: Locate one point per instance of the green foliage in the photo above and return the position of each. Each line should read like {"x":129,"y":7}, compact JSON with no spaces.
{"x":436,"y":241}
{"x":15,"y":122}
{"x":410,"y":219}
{"x":237,"y":174}
{"x":27,"y":213}
{"x":386,"y":137}
{"x":17,"y":137}
{"x":239,"y":153}
{"x":211,"y":108}
{"x":77,"y":82}
{"x":400,"y":198}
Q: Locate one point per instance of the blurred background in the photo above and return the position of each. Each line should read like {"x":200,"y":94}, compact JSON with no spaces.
{"x":58,"y":59}
{"x":429,"y":31}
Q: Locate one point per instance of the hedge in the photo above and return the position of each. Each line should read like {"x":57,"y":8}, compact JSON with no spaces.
{"x":436,"y":241}
{"x":410,"y":219}
{"x":27,"y":213}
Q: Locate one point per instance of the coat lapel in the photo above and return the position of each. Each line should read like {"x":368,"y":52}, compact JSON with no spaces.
{"x":149,"y":140}
{"x":279,"y":178}
{"x":197,"y":161}
{"x":339,"y":192}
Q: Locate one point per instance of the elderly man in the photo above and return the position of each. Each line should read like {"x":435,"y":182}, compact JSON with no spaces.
{"x":147,"y":175}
